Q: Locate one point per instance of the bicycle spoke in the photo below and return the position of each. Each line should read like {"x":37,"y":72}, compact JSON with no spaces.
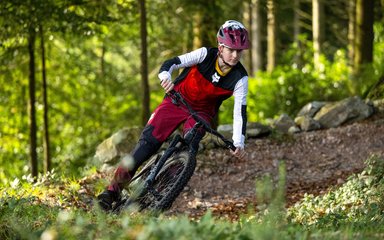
{"x":163,"y":184}
{"x":166,"y":186}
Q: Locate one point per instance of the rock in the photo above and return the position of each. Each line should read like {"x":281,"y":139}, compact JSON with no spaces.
{"x":255,"y":130}
{"x":116,"y":146}
{"x":311,"y":109}
{"x":307,"y":123}
{"x":284,"y":123}
{"x":210,"y":141}
{"x":226,"y":130}
{"x":196,"y":203}
{"x":378,"y":105}
{"x":348,"y":110}
{"x":294,"y":129}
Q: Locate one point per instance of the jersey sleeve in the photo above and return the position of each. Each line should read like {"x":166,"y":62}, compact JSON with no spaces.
{"x":240,"y":112}
{"x":186,"y":60}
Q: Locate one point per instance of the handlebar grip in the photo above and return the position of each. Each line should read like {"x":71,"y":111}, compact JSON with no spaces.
{"x":232,"y":147}
{"x":172,"y":92}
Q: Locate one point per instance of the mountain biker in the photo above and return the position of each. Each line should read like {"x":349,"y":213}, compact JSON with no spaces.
{"x":210,"y":76}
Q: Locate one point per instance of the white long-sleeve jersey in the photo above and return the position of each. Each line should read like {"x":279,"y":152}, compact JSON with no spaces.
{"x":205,"y":86}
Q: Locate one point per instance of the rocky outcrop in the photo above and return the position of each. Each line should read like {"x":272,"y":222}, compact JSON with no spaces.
{"x":322,"y":115}
{"x":285,"y":124}
{"x":348,"y":110}
{"x":111,"y":150}
{"x":307,"y":123}
{"x":314,"y":116}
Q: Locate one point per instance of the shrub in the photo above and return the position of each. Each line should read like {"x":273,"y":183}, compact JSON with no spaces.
{"x":358,"y":203}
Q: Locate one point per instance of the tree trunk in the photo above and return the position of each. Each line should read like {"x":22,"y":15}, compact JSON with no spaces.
{"x":31,"y":105}
{"x":209,"y":24}
{"x":46,"y":142}
{"x":363,"y":53}
{"x":247,"y":21}
{"x":381,"y":14}
{"x":271,"y":49}
{"x":208,"y":29}
{"x":197,"y":35}
{"x":351,"y":32}
{"x":144,"y":63}
{"x":317,"y":31}
{"x":296,"y":20}
{"x":296,"y":33}
{"x":256,"y":38}
{"x":364,"y":33}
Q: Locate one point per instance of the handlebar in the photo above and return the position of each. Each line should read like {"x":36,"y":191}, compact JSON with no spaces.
{"x":178,"y":98}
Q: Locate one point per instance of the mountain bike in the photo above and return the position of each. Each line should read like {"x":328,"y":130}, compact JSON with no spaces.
{"x":156,"y":186}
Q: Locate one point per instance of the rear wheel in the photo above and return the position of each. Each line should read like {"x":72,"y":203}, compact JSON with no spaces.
{"x":169,"y":183}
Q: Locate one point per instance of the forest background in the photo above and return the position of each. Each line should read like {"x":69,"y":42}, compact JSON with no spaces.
{"x":72,"y":72}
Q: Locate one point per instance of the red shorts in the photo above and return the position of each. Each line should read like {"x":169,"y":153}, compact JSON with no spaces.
{"x":167,"y":117}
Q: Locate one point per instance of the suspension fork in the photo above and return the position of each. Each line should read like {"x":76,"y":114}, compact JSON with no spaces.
{"x":156,"y":169}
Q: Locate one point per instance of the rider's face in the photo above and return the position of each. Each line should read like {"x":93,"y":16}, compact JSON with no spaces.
{"x":231,"y":56}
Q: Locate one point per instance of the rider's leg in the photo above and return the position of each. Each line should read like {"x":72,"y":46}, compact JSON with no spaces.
{"x":144,"y":149}
{"x":162,"y":123}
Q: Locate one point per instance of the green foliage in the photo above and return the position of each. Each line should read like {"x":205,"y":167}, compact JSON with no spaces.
{"x":102,"y":99}
{"x":48,"y":209}
{"x":375,"y":73}
{"x":378,"y":52}
{"x":30,"y":210}
{"x":84,"y":82}
{"x":357,"y":204}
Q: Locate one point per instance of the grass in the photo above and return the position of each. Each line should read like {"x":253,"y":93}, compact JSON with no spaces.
{"x":51,"y":209}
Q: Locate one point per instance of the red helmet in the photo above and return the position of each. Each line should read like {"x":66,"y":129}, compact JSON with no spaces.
{"x":233,"y":34}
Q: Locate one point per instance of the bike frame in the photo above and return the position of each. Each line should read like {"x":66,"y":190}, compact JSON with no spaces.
{"x":173,"y":147}
{"x":177,"y":98}
{"x":177,"y":143}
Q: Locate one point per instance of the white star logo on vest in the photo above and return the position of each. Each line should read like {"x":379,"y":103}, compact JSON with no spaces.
{"x":215,"y":78}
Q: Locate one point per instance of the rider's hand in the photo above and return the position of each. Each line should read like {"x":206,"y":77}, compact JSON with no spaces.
{"x":239,"y":153}
{"x":165,"y":81}
{"x":167,"y":85}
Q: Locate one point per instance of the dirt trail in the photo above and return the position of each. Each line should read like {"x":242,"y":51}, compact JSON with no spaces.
{"x":314,"y":162}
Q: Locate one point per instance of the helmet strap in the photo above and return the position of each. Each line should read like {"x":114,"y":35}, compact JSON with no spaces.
{"x":229,"y":65}
{"x":222,"y":59}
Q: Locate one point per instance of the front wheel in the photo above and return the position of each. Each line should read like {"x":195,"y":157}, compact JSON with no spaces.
{"x":169,"y":183}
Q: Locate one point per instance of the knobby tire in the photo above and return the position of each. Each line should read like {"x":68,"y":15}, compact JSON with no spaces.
{"x":178,"y":170}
